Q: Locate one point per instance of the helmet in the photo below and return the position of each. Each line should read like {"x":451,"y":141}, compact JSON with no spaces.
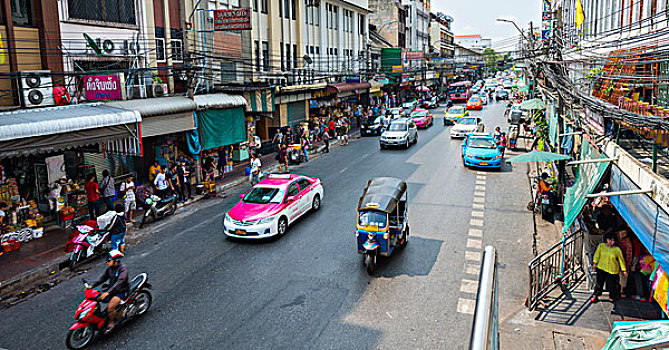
{"x":114,"y":255}
{"x":119,"y":208}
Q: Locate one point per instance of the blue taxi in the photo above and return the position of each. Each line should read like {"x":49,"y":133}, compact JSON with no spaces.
{"x":481,"y":150}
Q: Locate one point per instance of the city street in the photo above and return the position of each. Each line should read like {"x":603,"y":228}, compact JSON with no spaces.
{"x":309,"y":289}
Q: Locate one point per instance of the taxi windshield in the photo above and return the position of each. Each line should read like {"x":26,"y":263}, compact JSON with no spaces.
{"x":456,"y":110}
{"x":264,"y":195}
{"x":467,"y":121}
{"x":373,"y":218}
{"x":481,"y":143}
{"x":417,"y":114}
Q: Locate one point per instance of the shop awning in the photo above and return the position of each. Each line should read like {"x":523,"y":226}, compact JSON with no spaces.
{"x":344,"y":87}
{"x":221,"y":127}
{"x":587,"y":179}
{"x":375,"y":86}
{"x":218,"y":101}
{"x":644,"y":216}
{"x":162,"y":116}
{"x":57,"y":128}
{"x":260,"y":101}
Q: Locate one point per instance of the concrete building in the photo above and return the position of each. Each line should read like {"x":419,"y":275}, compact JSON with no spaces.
{"x":441,"y":36}
{"x":417,"y":23}
{"x":389,"y":19}
{"x":473,"y":42}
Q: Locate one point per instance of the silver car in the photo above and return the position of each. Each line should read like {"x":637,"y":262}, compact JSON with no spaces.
{"x":467,"y":125}
{"x":401,"y":132}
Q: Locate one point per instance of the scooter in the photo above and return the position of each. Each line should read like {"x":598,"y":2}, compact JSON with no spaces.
{"x":371,"y":249}
{"x":91,"y":315}
{"x":157,"y":208}
{"x":87,"y":242}
{"x":295,"y":154}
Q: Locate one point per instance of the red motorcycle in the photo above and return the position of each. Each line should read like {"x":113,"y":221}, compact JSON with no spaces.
{"x":91,"y":315}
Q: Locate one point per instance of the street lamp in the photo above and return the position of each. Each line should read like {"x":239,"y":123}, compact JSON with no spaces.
{"x":514,"y":24}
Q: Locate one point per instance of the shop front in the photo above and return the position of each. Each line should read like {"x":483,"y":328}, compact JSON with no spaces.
{"x":351,"y":93}
{"x":43,"y":166}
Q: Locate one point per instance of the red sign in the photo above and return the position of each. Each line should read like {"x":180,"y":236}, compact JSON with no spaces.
{"x":413,"y":55}
{"x":102,"y":87}
{"x":233,"y":19}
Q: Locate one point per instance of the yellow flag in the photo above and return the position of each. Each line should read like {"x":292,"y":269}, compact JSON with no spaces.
{"x":580,"y":16}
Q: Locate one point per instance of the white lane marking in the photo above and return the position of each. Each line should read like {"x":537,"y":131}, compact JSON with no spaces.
{"x":472,"y":269}
{"x":466,"y":306}
{"x":475,"y":222}
{"x":473,"y":256}
{"x":343,"y":170}
{"x":480,"y":177}
{"x":479,"y":199}
{"x":474,"y":243}
{"x":479,"y":188}
{"x":469,"y":286}
{"x":364,"y":156}
{"x":481,"y":173}
{"x":478,"y":214}
{"x":478,"y":206}
{"x":474,"y":232}
{"x":480,"y":182}
{"x":479,"y":194}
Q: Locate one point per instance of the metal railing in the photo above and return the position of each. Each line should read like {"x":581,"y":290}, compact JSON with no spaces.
{"x":556,"y":267}
{"x":485,"y":332}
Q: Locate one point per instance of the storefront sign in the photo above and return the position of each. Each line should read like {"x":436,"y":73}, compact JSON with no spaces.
{"x":232,"y":19}
{"x":102,"y":87}
{"x":413,"y":55}
{"x":320,"y":94}
{"x":353,"y":79}
{"x":107,"y":46}
{"x":397,"y":69}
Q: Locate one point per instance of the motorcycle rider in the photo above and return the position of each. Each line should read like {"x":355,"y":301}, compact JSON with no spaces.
{"x":544,"y":187}
{"x":117,"y":275}
{"x":117,"y":229}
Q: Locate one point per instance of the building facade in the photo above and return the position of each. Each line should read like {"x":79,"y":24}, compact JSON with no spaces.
{"x":389,"y":21}
{"x":441,"y":36}
{"x":473,"y":42}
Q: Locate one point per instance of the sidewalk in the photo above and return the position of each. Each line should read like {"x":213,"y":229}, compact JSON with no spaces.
{"x":45,"y":257}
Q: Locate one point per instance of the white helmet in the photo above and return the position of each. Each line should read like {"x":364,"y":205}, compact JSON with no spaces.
{"x":114,"y":255}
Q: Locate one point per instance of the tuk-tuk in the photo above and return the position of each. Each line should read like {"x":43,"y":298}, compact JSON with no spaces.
{"x":383,"y":221}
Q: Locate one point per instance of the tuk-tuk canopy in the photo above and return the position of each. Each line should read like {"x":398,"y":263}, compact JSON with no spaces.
{"x":382,"y":194}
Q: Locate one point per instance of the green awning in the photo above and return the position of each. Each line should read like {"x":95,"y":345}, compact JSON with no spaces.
{"x":587,"y":178}
{"x":222,"y":127}
{"x":638,"y":335}
{"x":259,"y":101}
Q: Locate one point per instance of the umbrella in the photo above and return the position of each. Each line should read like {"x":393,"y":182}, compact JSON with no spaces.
{"x":537,"y":156}
{"x":532,"y":104}
{"x":423,"y":88}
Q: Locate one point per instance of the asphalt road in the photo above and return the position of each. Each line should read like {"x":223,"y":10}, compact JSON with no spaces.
{"x":309,"y":289}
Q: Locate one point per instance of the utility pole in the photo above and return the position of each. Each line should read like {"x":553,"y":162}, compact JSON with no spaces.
{"x":531,"y":44}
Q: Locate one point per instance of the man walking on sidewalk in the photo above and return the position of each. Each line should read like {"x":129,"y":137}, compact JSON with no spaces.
{"x":326,"y":142}
{"x":255,"y":169}
{"x":108,"y":190}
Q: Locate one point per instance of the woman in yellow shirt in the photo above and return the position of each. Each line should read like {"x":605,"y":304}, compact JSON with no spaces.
{"x":608,"y":262}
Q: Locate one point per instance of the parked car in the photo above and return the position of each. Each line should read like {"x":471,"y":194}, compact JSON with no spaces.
{"x":372,"y":126}
{"x":401,"y":132}
{"x":466,"y":126}
{"x":453,"y":114}
{"x":272,"y":205}
{"x":481,"y":150}
{"x":422,"y":117}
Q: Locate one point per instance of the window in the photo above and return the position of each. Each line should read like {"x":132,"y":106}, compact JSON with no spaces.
{"x":255,"y":5}
{"x":304,"y":184}
{"x":317,"y":14}
{"x":22,"y":13}
{"x":287,"y":56}
{"x":318,"y":50}
{"x":177,"y":50}
{"x":293,"y":5}
{"x":335,"y":17}
{"x":294,"y":55}
{"x":257,"y":53}
{"x":293,"y":190}
{"x":283,"y":66}
{"x":361,"y":24}
{"x":160,"y":49}
{"x":286,"y":9}
{"x":114,"y":11}
{"x":265,"y":56}
{"x":263,"y":6}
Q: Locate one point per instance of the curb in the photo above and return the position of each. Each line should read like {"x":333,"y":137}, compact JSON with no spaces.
{"x":52,"y":268}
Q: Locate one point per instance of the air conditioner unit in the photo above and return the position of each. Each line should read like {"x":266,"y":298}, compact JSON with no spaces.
{"x":36,"y":88}
{"x":156,"y":90}
{"x":137,"y":91}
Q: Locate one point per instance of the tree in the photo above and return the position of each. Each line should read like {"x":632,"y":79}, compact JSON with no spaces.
{"x":490,"y":58}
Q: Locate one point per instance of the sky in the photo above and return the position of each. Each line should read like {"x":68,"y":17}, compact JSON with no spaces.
{"x":479,"y":17}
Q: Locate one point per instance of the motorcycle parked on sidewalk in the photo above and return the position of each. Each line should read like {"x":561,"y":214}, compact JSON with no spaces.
{"x":156,"y":208}
{"x":88,"y":241}
{"x":91,"y":315}
{"x":542,"y":203}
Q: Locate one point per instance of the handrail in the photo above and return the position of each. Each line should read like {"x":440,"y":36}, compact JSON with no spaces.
{"x":485,"y":334}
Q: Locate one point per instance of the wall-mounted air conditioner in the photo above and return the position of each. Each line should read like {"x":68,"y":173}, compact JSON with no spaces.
{"x":36,"y":88}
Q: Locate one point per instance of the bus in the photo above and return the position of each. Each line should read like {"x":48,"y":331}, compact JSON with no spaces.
{"x":460,"y":91}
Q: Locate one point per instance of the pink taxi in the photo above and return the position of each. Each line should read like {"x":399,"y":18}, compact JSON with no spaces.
{"x":422,"y":117}
{"x":272,"y":205}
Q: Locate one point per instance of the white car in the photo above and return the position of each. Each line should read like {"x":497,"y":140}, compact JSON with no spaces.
{"x":401,"y":132}
{"x":484,"y":97}
{"x":466,"y":126}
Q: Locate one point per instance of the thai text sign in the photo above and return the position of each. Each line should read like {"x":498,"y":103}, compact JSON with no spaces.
{"x":232,"y":19}
{"x":413,"y":55}
{"x":102,"y":87}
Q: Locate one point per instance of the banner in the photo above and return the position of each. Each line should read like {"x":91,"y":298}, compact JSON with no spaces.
{"x":102,"y":87}
{"x":232,"y":19}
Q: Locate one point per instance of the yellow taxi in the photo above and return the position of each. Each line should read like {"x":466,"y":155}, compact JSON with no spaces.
{"x":453,"y":114}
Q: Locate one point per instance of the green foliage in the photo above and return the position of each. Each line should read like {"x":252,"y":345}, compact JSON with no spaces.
{"x":490,"y":58}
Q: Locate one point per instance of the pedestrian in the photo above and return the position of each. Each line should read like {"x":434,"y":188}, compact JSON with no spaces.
{"x":502,"y":142}
{"x":255,"y":169}
{"x":3,"y":207}
{"x":153,"y":171}
{"x":93,"y":195}
{"x":117,"y":229}
{"x":208,"y":167}
{"x":220,"y":166}
{"x":108,"y":190}
{"x":497,"y":135}
{"x":161,"y":183}
{"x":184,"y":181}
{"x":278,"y":138}
{"x":630,"y":251}
{"x":128,"y":190}
{"x":283,"y":158}
{"x":331,"y":127}
{"x":326,"y":142}
{"x":173,"y":179}
{"x":305,"y":148}
{"x":608,"y":262}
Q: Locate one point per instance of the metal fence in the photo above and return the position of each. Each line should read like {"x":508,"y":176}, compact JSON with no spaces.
{"x":559,"y":266}
{"x":485,"y":332}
